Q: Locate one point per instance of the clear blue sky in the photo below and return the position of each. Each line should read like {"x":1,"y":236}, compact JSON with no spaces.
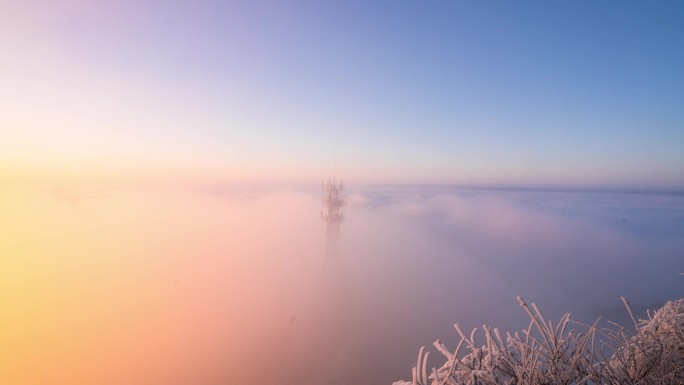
{"x":580,"y":92}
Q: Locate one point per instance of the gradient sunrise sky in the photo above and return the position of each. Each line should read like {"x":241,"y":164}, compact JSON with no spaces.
{"x":477,"y":92}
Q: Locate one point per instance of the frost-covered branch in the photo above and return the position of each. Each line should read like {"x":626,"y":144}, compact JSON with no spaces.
{"x":544,"y":354}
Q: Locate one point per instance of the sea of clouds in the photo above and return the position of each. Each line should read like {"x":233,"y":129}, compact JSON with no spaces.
{"x":220,"y":284}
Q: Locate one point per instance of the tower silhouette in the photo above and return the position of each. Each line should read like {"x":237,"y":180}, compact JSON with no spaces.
{"x":334,"y":199}
{"x":335,"y":291}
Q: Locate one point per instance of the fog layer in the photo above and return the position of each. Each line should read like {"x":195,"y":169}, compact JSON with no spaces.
{"x":218,"y":285}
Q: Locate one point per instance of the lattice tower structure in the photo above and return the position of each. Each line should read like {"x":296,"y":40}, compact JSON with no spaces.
{"x":334,"y":199}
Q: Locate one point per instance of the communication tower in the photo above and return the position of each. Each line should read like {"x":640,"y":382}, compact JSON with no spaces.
{"x":334,"y":199}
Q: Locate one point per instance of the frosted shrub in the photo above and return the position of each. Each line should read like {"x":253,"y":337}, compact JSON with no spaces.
{"x":655,"y":355}
{"x":568,"y":352}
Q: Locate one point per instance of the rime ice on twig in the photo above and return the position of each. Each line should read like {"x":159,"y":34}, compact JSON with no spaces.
{"x":653,"y":354}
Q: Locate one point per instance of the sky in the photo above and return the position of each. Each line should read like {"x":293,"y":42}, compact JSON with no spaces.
{"x":226,"y":115}
{"x":402,"y":92}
